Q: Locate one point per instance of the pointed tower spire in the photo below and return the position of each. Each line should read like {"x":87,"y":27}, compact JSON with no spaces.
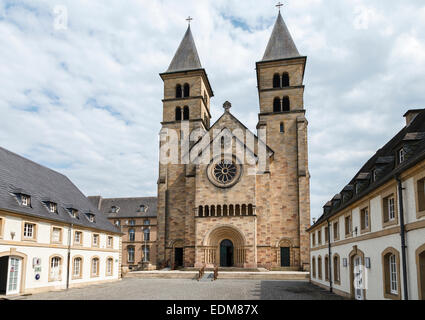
{"x":186,"y":57}
{"x":281,"y":45}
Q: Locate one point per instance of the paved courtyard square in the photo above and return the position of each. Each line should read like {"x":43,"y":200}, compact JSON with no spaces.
{"x":185,"y":289}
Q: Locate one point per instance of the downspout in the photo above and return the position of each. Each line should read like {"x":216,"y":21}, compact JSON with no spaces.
{"x":69,"y":255}
{"x":403,"y":237}
{"x":330,"y":256}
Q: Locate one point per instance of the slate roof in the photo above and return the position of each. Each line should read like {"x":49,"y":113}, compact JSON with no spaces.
{"x":19,"y":175}
{"x":384,"y":160}
{"x":281,"y":45}
{"x":186,"y":57}
{"x":129,"y":207}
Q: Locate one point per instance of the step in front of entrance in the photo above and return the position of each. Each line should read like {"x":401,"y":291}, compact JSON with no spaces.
{"x":246,"y":275}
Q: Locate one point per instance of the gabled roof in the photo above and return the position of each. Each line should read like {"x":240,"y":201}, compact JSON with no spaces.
{"x":242,"y":126}
{"x":186,"y":57}
{"x":281,"y":45}
{"x":20,"y":175}
{"x":128,"y":207}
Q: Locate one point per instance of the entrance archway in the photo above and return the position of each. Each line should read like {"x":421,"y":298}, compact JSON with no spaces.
{"x":358,"y":277}
{"x":226,"y":253}
{"x":224,"y":245}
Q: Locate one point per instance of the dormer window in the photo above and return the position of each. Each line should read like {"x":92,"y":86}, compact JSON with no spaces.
{"x":73,"y":213}
{"x":114,"y":209}
{"x":25,"y":200}
{"x":401,"y":155}
{"x":142,"y":208}
{"x":90,"y":217}
{"x":374,"y":175}
{"x":53,"y":207}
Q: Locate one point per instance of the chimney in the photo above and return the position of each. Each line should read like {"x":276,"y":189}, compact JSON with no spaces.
{"x":410,"y":115}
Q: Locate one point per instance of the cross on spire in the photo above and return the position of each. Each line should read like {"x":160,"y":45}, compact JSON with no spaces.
{"x":279,"y":4}
{"x":189,"y":19}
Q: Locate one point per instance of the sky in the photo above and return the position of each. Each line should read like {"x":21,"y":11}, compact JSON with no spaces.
{"x":80,"y":90}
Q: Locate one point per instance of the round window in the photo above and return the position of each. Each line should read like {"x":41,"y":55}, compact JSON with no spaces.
{"x":224,"y":173}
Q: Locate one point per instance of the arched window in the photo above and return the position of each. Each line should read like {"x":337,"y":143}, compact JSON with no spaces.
{"x":238,"y":210}
{"x":130,"y":252}
{"x":218,"y":211}
{"x":282,"y":128}
{"x":178,"y":114}
{"x":313,"y":267}
{"x":250,"y":210}
{"x":231,"y":212}
{"x":186,"y":113}
{"x":391,"y":269}
{"x":225,"y":210}
{"x":244,"y":209}
{"x":131,"y":234}
{"x":337,"y":279}
{"x":286,"y":104}
{"x":212,"y":211}
{"x":207,"y":211}
{"x":55,"y":273}
{"x":95,"y":267}
{"x":319,"y":267}
{"x":109,"y":266}
{"x":201,"y":211}
{"x":285,"y":80}
{"x":276,"y":81}
{"x":326,"y":268}
{"x":178,"y":91}
{"x":77,"y":268}
{"x":146,"y":254}
{"x":276,"y":105}
{"x":146,"y":234}
{"x":186,"y":90}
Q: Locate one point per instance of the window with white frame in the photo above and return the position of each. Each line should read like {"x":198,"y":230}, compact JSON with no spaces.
{"x":319,"y":237}
{"x":29,"y":230}
{"x":393,"y":274}
{"x":55,"y":268}
{"x":364,"y":216}
{"x":145,"y":254}
{"x":401,"y":155}
{"x":78,"y":237}
{"x":56,"y":235}
{"x":131,"y":234}
{"x":95,"y":267}
{"x":73,"y":213}
{"x":109,"y":264}
{"x":26,"y":200}
{"x":110,"y":241}
{"x":132,"y":222}
{"x":95,"y":240}
{"x":146,"y":222}
{"x":389,"y":208}
{"x":146,"y":234}
{"x":336,"y":230}
{"x":53,"y":207}
{"x":130,"y":251}
{"x":76,"y":271}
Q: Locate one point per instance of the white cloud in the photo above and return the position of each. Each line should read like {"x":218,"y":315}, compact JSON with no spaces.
{"x":86,"y":100}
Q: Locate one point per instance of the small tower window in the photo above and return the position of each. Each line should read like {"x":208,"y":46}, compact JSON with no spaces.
{"x":178,"y":91}
{"x":186,"y":90}
{"x":186,"y":113}
{"x":285,"y":80}
{"x":276,"y":105}
{"x":276,"y":81}
{"x":286,"y":104}
{"x":178,"y":114}
{"x":282,"y":128}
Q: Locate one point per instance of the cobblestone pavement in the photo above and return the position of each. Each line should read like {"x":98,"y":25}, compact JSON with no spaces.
{"x":184,"y":289}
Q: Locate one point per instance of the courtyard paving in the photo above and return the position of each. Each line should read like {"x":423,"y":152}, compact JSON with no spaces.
{"x":186,"y":289}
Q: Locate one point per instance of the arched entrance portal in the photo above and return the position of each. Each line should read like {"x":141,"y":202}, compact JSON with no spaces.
{"x":226,"y":253}
{"x":224,"y":246}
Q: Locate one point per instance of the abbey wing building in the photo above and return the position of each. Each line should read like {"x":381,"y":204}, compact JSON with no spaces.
{"x":247,"y":206}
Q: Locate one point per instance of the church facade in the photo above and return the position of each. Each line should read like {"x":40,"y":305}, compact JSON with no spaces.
{"x":226,"y":196}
